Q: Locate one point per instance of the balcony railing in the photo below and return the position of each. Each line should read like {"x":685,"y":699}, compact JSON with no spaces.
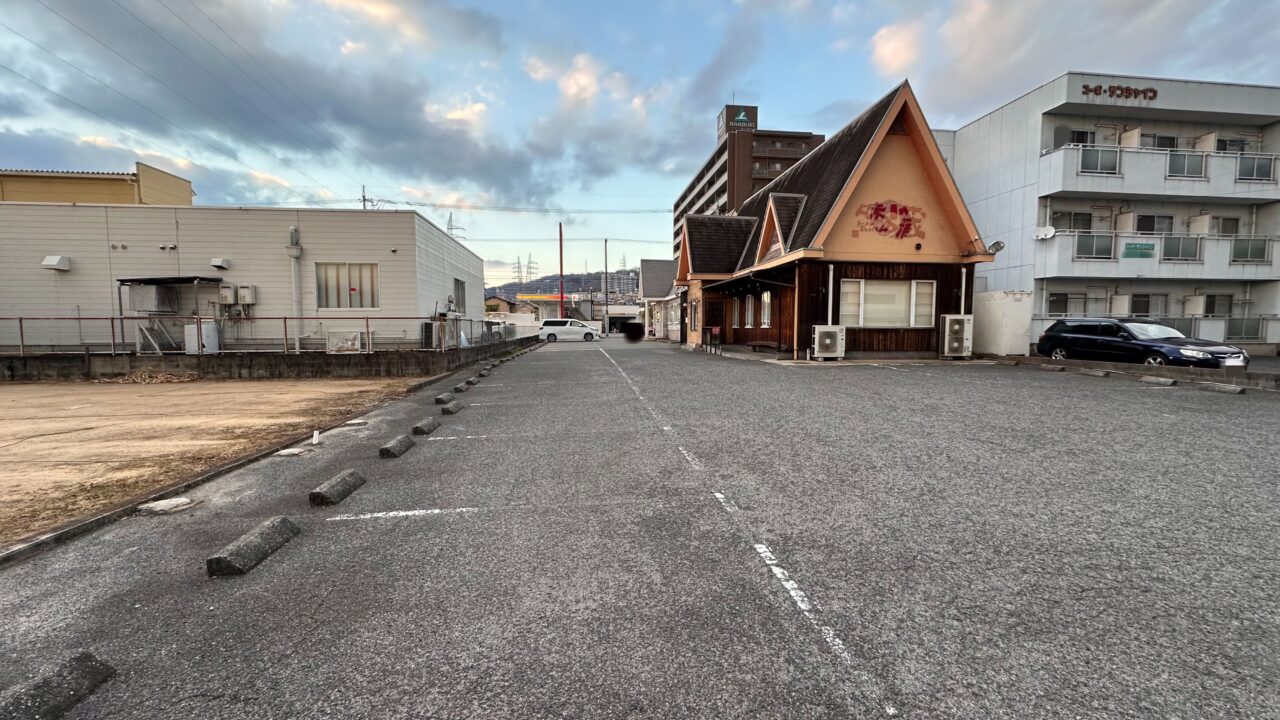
{"x":1167,"y":247}
{"x":1108,"y":160}
{"x":778,"y":152}
{"x":765,"y":172}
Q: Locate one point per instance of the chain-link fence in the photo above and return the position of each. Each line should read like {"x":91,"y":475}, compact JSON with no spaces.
{"x":161,"y":334}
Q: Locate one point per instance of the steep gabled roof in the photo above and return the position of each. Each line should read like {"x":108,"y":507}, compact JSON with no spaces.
{"x":819,"y":177}
{"x":657,"y":277}
{"x":714,"y":242}
{"x":787,"y":209}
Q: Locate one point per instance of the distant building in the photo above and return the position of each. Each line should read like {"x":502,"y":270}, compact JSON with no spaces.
{"x":146,"y":185}
{"x":1131,"y":197}
{"x":745,"y":160}
{"x":661,"y":304}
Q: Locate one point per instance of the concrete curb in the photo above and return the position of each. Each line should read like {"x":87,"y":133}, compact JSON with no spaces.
{"x":426,"y":427}
{"x":1222,"y":388}
{"x":444,"y":398}
{"x":53,"y":694}
{"x":452,"y":408}
{"x":1052,"y":368}
{"x":251,"y":548}
{"x":1094,"y":373}
{"x":396,"y":447}
{"x":1161,"y":381}
{"x":337,"y":488}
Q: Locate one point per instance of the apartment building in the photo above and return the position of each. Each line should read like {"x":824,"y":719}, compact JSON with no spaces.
{"x":1131,"y":196}
{"x":746,"y":159}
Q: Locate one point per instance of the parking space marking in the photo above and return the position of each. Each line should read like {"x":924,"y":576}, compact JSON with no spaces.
{"x":808,"y":608}
{"x":401,"y":513}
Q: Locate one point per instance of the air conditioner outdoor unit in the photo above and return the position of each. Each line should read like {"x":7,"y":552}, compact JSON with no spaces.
{"x":957,"y":336}
{"x":828,"y":341}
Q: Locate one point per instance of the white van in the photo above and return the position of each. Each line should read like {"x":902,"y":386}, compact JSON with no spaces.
{"x":553,"y":330}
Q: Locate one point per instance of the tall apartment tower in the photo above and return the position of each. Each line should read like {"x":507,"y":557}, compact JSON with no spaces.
{"x":745,"y":160}
{"x":1131,"y":197}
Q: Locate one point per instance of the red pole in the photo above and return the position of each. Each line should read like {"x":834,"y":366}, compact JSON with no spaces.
{"x":561,"y":269}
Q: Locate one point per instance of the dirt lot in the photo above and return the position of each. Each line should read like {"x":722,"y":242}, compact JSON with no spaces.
{"x":67,"y":449}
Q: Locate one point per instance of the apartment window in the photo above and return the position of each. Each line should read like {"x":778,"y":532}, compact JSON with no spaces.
{"x":1225,"y":225}
{"x":1154,"y":224}
{"x":1066,"y":303}
{"x":1095,"y":247}
{"x":346,"y":285}
{"x":737,"y":313}
{"x":766,"y":309}
{"x":1101,"y":161}
{"x":755,"y":165}
{"x":1232,"y":145}
{"x":1254,"y":167}
{"x":1148,"y":305}
{"x":1180,"y":248}
{"x":1082,"y":137}
{"x":1073,"y":220}
{"x":1159,"y":142}
{"x":887,"y":303}
{"x":1250,"y":250}
{"x":1217,"y":305}
{"x":777,"y":166}
{"x":804,"y":146}
{"x":460,"y":296}
{"x":1185,"y":165}
{"x":751,"y":312}
{"x":777,"y":143}
{"x":1097,"y":300}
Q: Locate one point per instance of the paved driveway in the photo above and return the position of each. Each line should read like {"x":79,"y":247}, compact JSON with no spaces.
{"x":638,"y":531}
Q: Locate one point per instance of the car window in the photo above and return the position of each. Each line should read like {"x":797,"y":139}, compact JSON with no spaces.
{"x":1058,"y":327}
{"x":554,"y":323}
{"x":578,"y":323}
{"x":1109,"y":330}
{"x":1082,"y":328}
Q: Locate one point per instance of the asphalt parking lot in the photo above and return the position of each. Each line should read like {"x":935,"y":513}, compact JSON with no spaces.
{"x":615,"y":531}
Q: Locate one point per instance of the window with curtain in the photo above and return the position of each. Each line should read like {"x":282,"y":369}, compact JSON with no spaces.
{"x":346,"y":285}
{"x":766,"y":309}
{"x":737,"y":312}
{"x":751,"y":312}
{"x":887,"y":303}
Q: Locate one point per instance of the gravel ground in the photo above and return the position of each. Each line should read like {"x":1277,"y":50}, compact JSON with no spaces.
{"x":923,"y":541}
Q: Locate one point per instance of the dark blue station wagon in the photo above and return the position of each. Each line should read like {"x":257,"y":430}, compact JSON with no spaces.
{"x":1136,"y":341}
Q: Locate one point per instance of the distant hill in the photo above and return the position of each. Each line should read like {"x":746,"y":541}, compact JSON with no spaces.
{"x":573,"y":283}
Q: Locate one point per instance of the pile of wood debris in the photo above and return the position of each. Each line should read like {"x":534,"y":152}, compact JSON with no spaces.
{"x":147,"y":376}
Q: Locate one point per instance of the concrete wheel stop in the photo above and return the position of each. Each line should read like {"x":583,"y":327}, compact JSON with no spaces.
{"x":426,"y":427}
{"x":444,"y":398}
{"x":336,"y":488}
{"x":397,"y":447}
{"x":1154,"y":380}
{"x":452,"y":408}
{"x":253,"y":547}
{"x":53,"y":694}
{"x":461,"y":388}
{"x":473,"y":380}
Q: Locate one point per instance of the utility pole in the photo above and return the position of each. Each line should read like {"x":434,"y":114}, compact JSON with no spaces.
{"x":605,"y":329}
{"x":561,"y":269}
{"x":364,"y":199}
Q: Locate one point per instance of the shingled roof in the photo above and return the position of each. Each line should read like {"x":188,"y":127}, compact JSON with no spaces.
{"x":786,"y":208}
{"x":714,"y":242}
{"x":819,"y":177}
{"x":657,"y":277}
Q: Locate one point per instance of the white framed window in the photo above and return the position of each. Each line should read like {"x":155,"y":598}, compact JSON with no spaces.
{"x":343,"y":286}
{"x":766,"y":309}
{"x":460,"y":296}
{"x":737,"y":312}
{"x":888,"y":303}
{"x":751,"y":312}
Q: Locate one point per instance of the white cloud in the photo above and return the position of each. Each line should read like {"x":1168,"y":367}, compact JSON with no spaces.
{"x":267,"y":179}
{"x":351,"y":46}
{"x":98,"y":141}
{"x":470,"y":114}
{"x":535,"y":68}
{"x":581,"y":82}
{"x":896,"y":48}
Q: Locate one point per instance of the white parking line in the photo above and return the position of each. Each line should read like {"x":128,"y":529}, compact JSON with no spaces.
{"x":401,"y":513}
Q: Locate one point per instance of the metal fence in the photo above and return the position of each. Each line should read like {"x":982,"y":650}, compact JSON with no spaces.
{"x":174,"y":334}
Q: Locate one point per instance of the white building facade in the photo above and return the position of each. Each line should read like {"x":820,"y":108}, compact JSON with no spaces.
{"x":1130,"y":196}
{"x":232,"y":266}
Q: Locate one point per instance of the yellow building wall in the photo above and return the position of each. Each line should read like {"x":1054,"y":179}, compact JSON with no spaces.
{"x":897,"y":174}
{"x":157,"y":187}
{"x":52,"y":188}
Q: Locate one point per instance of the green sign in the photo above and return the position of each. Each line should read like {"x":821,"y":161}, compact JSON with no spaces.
{"x":1139,"y":250}
{"x":742,"y":116}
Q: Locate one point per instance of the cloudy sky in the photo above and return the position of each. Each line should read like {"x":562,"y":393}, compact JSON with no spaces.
{"x":575,"y":107}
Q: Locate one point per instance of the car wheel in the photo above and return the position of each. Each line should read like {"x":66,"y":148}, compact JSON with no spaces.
{"x":588,"y":337}
{"x":1155,"y":359}
{"x":551,"y":337}
{"x":1058,"y":353}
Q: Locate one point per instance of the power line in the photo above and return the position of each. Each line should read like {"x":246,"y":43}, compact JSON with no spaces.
{"x":544,"y":240}
{"x":173,"y":90}
{"x":542,"y":210}
{"x":286,"y":88}
{"x":55,"y":93}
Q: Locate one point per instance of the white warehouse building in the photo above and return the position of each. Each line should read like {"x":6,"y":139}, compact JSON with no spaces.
{"x":376,"y":270}
{"x":1130,"y":196}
